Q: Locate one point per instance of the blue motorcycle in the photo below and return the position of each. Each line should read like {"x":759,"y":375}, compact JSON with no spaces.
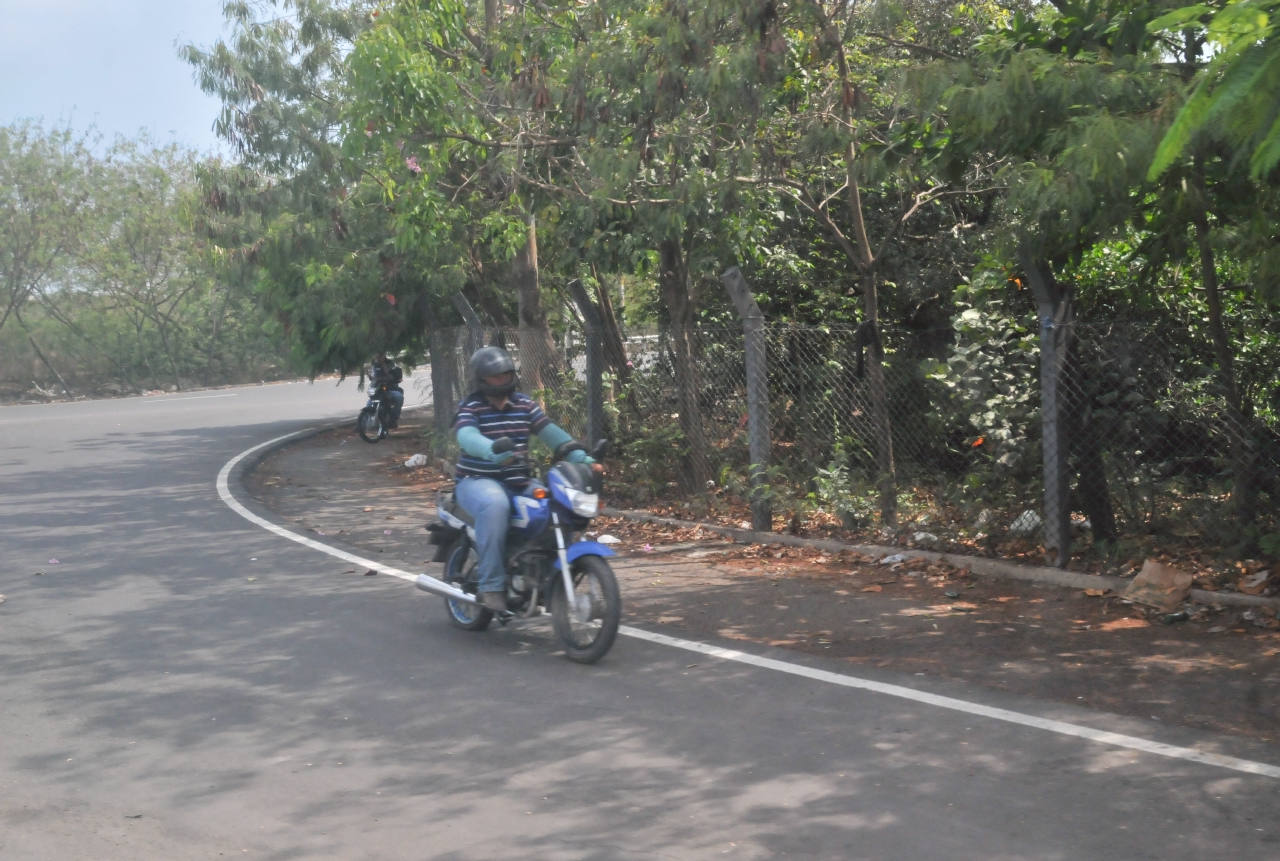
{"x":549,"y":564}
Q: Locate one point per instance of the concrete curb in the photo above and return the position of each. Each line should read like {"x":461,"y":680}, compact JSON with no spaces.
{"x":979,"y":565}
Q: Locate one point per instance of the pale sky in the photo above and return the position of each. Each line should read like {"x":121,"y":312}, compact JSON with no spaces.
{"x":112,"y":64}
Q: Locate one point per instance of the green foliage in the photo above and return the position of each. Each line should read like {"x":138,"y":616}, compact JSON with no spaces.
{"x":992,"y":380}
{"x":835,"y":490}
{"x":1235,"y":95}
{"x":112,"y":289}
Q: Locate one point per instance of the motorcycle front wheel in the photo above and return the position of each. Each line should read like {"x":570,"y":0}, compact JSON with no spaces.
{"x":370,"y":425}
{"x":589,"y":627}
{"x":459,"y":568}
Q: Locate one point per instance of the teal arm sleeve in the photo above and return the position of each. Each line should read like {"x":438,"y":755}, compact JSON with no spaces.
{"x":476,"y":444}
{"x":554,"y":437}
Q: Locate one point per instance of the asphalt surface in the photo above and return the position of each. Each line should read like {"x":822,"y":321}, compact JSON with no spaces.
{"x":183,"y":684}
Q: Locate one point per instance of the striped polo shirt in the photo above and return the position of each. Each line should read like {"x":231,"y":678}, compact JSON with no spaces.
{"x":519,"y":419}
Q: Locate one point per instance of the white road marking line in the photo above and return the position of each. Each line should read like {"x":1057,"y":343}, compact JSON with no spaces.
{"x":951,"y":703}
{"x":198,"y":398}
{"x":225,"y":492}
{"x":1061,"y":727}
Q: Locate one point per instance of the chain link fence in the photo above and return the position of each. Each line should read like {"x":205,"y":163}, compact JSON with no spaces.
{"x":935,"y":437}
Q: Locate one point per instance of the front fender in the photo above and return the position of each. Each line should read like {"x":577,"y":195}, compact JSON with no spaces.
{"x":585,"y":548}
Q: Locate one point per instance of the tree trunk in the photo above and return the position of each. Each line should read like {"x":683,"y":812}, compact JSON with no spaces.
{"x":1243,"y":486}
{"x":213,"y":338}
{"x":1091,"y":488}
{"x":887,"y":478}
{"x":615,"y":351}
{"x":442,"y":371}
{"x":673,"y":280}
{"x":538,"y":362}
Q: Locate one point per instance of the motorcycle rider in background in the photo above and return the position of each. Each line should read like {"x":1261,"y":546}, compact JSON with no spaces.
{"x":487,"y":481}
{"x":385,"y":370}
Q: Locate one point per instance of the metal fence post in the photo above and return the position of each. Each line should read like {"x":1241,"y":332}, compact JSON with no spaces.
{"x":475,"y":329}
{"x":595,"y":361}
{"x":1056,"y":318}
{"x":753,"y":329}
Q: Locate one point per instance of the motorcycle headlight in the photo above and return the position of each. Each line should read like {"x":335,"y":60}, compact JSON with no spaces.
{"x":583,"y":504}
{"x":373,"y":389}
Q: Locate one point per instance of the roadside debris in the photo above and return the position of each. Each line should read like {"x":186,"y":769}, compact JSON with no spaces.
{"x":1026,"y":523}
{"x":874,"y":587}
{"x":893,"y":560}
{"x":609,"y":539}
{"x":1123,"y":624}
{"x":415,"y":462}
{"x":54,"y":562}
{"x":370,"y":573}
{"x":1095,"y":593}
{"x":1255,"y":582}
{"x":1161,"y":586}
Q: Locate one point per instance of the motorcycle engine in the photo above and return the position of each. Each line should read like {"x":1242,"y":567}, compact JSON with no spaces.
{"x":526,"y":570}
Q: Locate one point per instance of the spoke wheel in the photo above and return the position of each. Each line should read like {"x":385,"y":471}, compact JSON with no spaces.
{"x":370,"y":425}
{"x":589,"y":627}
{"x":460,"y":570}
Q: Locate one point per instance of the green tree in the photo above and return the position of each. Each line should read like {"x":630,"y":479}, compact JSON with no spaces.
{"x":313,"y":223}
{"x":46,"y":182}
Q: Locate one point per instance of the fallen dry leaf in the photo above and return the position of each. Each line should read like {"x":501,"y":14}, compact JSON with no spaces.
{"x":1005,"y":598}
{"x":873,"y":588}
{"x":369,"y":509}
{"x":1095,"y":593}
{"x":1123,"y":624}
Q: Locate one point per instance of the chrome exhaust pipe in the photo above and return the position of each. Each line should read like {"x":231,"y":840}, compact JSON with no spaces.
{"x":444,"y":590}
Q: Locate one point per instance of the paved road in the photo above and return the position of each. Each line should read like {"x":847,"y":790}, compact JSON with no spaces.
{"x":163,"y":695}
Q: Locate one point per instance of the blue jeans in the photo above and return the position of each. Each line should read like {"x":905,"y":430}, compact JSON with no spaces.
{"x":397,"y":401}
{"x":489,"y":503}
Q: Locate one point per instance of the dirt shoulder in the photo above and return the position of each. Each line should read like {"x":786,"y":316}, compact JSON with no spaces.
{"x":1219,"y":671}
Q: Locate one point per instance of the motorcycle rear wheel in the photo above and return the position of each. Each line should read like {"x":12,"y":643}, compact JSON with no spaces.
{"x":459,"y":567}
{"x":588,"y":629}
{"x":370,"y":425}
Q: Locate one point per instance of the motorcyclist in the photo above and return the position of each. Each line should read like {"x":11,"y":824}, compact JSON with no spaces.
{"x":487,"y":481}
{"x":385,"y":371}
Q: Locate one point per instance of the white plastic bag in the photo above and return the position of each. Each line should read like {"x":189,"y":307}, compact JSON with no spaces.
{"x":418,"y":460}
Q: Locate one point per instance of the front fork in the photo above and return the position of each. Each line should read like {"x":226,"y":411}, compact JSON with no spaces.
{"x":564,"y":562}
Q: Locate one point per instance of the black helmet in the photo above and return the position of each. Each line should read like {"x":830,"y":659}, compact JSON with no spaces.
{"x":489,"y":362}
